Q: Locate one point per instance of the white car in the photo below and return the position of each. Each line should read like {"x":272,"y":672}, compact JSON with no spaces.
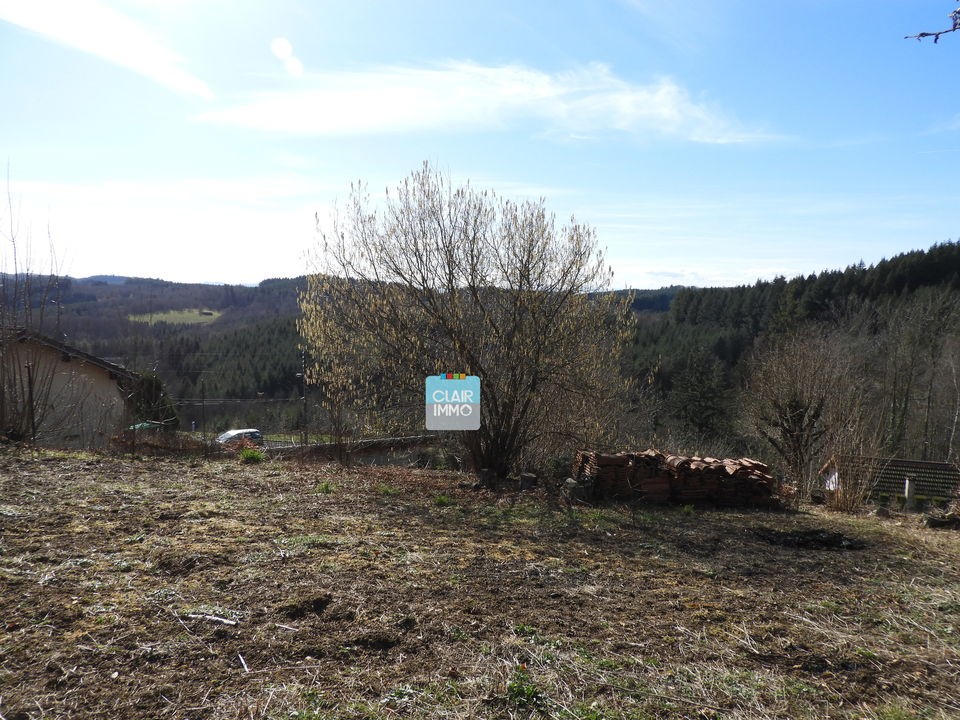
{"x":251,"y":434}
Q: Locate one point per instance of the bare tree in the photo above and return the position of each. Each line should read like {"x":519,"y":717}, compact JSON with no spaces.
{"x":791,"y":382}
{"x":912,"y":336}
{"x":953,"y":411}
{"x":954,"y":19}
{"x":450,"y":279}
{"x":854,"y":431}
{"x":25,"y":386}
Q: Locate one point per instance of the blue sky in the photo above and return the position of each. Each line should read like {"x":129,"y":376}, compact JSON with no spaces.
{"x":709,"y":143}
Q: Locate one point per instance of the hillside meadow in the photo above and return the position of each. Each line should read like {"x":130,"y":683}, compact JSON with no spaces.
{"x":169,"y":588}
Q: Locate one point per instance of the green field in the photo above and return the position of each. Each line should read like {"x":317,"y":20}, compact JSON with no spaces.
{"x":190,"y":316}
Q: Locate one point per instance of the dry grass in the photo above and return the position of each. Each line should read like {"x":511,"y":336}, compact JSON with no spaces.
{"x":209,"y":589}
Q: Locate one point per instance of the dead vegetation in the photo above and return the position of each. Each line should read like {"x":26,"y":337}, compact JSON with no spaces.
{"x":210,"y":589}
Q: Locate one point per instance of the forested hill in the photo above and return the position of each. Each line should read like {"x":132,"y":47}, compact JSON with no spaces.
{"x":780,"y":303}
{"x":240,"y":342}
{"x":904,"y":313}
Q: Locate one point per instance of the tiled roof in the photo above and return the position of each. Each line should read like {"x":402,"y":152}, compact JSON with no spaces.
{"x":933,"y":479}
{"x":22,"y":335}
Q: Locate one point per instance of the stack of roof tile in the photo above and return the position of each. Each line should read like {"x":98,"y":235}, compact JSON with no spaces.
{"x":657,"y":477}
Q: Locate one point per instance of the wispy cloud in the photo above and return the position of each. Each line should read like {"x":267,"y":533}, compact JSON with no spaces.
{"x":91,"y":27}
{"x":689,"y":26}
{"x":950,"y":125}
{"x":461,"y":96}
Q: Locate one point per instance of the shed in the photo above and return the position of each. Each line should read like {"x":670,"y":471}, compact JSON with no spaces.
{"x":56,"y":395}
{"x":935,"y":481}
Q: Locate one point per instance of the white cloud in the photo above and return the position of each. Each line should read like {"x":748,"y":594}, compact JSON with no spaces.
{"x":283,"y":49}
{"x":91,"y":27}
{"x":462,"y":96}
{"x":293,"y":66}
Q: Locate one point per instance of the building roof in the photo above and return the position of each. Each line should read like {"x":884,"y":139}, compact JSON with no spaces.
{"x":21,"y":335}
{"x":933,"y":479}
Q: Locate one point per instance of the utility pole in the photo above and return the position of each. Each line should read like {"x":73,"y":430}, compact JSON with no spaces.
{"x":33,"y":415}
{"x":304,"y":408}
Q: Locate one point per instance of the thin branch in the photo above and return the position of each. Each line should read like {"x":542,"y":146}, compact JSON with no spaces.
{"x":934,"y":35}
{"x":954,"y":16}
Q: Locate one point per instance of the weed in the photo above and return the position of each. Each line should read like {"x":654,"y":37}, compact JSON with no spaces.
{"x":522,"y":692}
{"x":387,"y":490}
{"x":325,"y":488}
{"x":524,"y":630}
{"x":606,"y":664}
{"x":442,"y":500}
{"x":401,"y":698}
{"x":896,"y":712}
{"x":251,"y":456}
{"x":686,"y":509}
{"x":581,"y":712}
{"x":799,"y":689}
{"x":458,"y":634}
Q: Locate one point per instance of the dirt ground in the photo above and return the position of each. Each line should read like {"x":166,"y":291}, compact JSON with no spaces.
{"x":159,"y":588}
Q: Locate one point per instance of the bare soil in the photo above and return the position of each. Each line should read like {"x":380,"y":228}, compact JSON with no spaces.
{"x":159,"y":588}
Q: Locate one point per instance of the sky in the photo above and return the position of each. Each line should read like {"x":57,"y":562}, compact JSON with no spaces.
{"x":708,"y":143}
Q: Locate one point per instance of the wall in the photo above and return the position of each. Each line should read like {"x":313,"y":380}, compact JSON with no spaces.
{"x":77,"y":403}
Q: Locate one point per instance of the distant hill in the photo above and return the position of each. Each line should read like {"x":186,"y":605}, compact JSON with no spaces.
{"x":104,"y":279}
{"x":236,"y":342}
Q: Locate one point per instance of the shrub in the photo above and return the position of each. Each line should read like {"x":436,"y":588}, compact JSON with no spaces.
{"x":251,"y":456}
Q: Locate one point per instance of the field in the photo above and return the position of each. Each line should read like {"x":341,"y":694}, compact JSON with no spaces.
{"x":158,"y":588}
{"x":190,"y":316}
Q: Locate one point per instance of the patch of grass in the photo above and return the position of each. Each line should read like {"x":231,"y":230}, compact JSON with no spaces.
{"x":316,"y":707}
{"x":442,"y":500}
{"x":307,"y":541}
{"x":251,"y":456}
{"x":387,"y":490}
{"x":896,"y":712}
{"x":522,"y":692}
{"x":325,"y":488}
{"x":585,"y":712}
{"x":524,"y":630}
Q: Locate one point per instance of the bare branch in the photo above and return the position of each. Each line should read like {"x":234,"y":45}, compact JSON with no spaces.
{"x":954,"y":17}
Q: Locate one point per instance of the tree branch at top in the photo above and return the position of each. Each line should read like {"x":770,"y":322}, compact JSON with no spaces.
{"x":954,"y":17}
